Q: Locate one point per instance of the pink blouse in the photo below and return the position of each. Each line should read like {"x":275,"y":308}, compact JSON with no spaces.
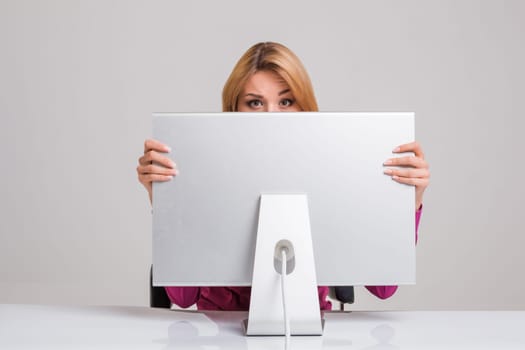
{"x":238,"y":298}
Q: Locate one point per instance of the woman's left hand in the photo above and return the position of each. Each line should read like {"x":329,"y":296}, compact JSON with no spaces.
{"x":413,"y":169}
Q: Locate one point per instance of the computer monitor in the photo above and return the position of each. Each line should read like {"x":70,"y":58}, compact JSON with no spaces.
{"x":205,"y":220}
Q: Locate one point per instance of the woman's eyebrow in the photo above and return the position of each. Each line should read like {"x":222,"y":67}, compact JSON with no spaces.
{"x":284,"y":92}
{"x":254,"y":95}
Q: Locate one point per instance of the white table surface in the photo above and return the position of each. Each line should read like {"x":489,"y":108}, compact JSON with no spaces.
{"x":103,"y":327}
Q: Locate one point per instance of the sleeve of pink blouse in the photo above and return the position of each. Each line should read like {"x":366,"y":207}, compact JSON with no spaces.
{"x":183,"y":296}
{"x":383,"y":292}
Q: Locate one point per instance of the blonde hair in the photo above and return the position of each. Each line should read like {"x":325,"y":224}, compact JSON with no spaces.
{"x":273,"y":57}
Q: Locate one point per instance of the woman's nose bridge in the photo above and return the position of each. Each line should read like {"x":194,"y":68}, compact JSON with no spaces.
{"x":272,"y":107}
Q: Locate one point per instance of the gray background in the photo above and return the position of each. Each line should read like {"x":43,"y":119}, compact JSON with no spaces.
{"x":79,"y":80}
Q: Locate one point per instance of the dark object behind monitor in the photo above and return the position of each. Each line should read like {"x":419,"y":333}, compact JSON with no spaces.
{"x":158,"y":297}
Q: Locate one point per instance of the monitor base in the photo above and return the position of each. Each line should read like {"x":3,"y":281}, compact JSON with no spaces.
{"x":284,"y":218}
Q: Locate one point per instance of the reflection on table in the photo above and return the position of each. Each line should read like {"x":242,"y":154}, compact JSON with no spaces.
{"x":101,"y":327}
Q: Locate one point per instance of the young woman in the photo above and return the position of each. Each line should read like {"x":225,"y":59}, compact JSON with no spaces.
{"x":270,"y":78}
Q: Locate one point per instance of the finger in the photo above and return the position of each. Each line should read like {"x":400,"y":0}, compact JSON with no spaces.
{"x":154,"y":145}
{"x":156,"y":170}
{"x":411,"y":161}
{"x":410,"y":147}
{"x":418,"y":182}
{"x":155,"y":157}
{"x":408,"y":172}
{"x":149,"y":178}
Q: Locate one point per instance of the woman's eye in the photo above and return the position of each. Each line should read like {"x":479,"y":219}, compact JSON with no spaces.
{"x":255,"y":103}
{"x":287,"y":102}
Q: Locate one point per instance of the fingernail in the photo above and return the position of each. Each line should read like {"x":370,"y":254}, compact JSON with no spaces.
{"x":395,"y":177}
{"x":167,"y":148}
{"x":387,"y":162}
{"x":388,"y":171}
{"x":397,"y":149}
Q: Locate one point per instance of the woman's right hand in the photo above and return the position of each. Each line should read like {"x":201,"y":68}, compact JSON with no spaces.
{"x":154,"y":166}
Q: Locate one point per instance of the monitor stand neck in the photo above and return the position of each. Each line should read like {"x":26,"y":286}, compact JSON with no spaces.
{"x":284,"y":218}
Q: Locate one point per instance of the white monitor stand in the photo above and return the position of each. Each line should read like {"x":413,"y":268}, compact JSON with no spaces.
{"x":284,"y":223}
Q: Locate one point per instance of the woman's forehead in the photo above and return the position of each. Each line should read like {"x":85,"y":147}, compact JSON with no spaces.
{"x":265,"y":81}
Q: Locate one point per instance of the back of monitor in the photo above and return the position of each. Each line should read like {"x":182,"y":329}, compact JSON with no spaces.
{"x":205,"y":219}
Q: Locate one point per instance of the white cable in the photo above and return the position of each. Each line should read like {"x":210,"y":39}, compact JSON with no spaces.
{"x":283,"y":277}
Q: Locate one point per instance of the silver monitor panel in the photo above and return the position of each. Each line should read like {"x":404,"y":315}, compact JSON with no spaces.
{"x":205,"y":219}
